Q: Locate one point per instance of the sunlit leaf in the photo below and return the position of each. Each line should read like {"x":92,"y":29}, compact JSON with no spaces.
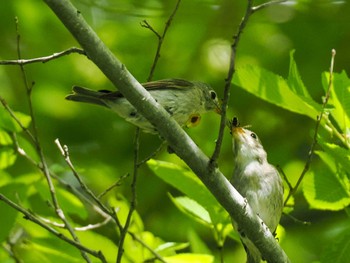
{"x":192,"y":209}
{"x":341,"y":155}
{"x":7,"y":157}
{"x":323,"y":188}
{"x":122,"y":207}
{"x":172,"y":246}
{"x":339,"y":98}
{"x":294,"y":80}
{"x":198,"y":246}
{"x":5,"y":138}
{"x":9,"y":124}
{"x":190,"y":258}
{"x":136,"y":252}
{"x":99,"y":242}
{"x":276,"y":90}
{"x":188,"y":183}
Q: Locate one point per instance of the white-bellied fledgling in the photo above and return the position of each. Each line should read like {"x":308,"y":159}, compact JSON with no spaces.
{"x":257,"y":181}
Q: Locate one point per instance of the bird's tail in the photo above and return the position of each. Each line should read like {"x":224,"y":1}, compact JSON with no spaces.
{"x":86,"y":95}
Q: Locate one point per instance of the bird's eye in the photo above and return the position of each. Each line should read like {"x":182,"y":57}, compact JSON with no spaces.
{"x":212,"y":94}
{"x":253,"y":135}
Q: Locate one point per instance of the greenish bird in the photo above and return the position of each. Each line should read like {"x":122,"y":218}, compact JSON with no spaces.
{"x":184,"y":100}
{"x":257,"y":181}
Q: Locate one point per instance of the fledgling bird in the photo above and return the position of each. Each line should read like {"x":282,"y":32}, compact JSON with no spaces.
{"x":257,"y":181}
{"x":184,"y":100}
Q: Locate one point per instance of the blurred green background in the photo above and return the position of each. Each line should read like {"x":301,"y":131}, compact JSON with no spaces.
{"x":197,"y":47}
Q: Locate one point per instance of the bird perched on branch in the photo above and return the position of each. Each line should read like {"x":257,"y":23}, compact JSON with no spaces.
{"x":184,"y":100}
{"x":257,"y":181}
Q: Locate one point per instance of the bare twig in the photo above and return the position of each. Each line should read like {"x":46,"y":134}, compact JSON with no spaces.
{"x":117,"y":183}
{"x":106,"y":211}
{"x":264,"y":5}
{"x":279,"y":168}
{"x":14,"y":117}
{"x":318,"y":122}
{"x":154,"y":153}
{"x":228,"y":80}
{"x":45,"y":169}
{"x":133,"y":198}
{"x":296,"y":220}
{"x":160,"y":37}
{"x":82,"y":228}
{"x":31,"y":217}
{"x":43,"y":59}
{"x":65,"y":153}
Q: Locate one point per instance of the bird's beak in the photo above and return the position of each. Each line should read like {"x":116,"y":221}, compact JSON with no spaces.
{"x":236,"y":130}
{"x":218,"y":107}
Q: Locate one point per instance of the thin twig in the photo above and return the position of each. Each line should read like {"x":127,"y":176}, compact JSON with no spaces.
{"x":145,"y":24}
{"x":154,"y":153}
{"x":117,"y":183}
{"x":31,"y":217}
{"x":82,"y":228}
{"x":228,"y":80}
{"x":318,"y":122}
{"x":264,"y":5}
{"x":43,"y":59}
{"x":160,"y":38}
{"x":296,"y":220}
{"x":14,"y":117}
{"x":105,"y":211}
{"x":58,"y":210}
{"x":133,"y":197}
{"x":279,"y":168}
{"x":86,"y":189}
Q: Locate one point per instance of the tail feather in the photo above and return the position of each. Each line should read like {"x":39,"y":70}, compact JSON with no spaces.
{"x":81,"y":94}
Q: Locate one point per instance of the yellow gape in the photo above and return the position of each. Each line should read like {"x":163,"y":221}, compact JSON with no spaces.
{"x":193,"y":120}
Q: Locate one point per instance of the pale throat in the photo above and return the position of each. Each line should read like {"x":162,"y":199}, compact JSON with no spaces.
{"x":249,"y":155}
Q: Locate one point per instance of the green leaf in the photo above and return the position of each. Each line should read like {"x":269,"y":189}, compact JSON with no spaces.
{"x":339,"y":98}
{"x":338,"y":250}
{"x":323,"y":188}
{"x":192,"y":209}
{"x":9,"y":214}
{"x":190,"y":258}
{"x":5,"y":138}
{"x":9,"y":124}
{"x":197,"y":244}
{"x":172,"y":246}
{"x":7,"y":157}
{"x":136,"y":252}
{"x":122,"y":207}
{"x":188,"y":183}
{"x":276,"y":90}
{"x":341,"y":155}
{"x":294,"y":79}
{"x":69,"y":203}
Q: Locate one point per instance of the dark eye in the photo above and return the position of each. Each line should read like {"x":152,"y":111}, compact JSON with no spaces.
{"x":212,"y":95}
{"x":253,"y":135}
